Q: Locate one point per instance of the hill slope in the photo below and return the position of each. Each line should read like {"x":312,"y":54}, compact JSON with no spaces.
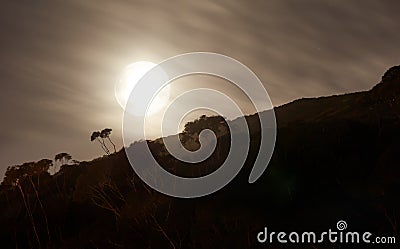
{"x":336,"y":158}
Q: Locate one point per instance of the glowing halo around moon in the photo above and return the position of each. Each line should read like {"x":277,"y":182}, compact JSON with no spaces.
{"x":129,"y":78}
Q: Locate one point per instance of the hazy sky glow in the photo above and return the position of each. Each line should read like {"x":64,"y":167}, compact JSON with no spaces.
{"x":60,"y":59}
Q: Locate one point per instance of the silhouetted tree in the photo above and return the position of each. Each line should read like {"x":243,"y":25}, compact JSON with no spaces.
{"x":105,"y":133}
{"x":59,"y":160}
{"x":96,"y":135}
{"x":20,"y":172}
{"x":12,"y":175}
{"x":63,"y":158}
{"x":25,"y":173}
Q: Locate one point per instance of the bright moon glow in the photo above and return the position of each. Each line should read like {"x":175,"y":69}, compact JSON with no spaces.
{"x":130,"y":77}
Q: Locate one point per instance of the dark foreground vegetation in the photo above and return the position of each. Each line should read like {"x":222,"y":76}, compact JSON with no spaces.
{"x":336,"y":158}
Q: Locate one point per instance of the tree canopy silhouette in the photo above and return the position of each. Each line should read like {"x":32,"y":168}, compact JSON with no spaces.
{"x":101,"y":136}
{"x":105,"y":133}
{"x":63,"y":158}
{"x":19,"y":172}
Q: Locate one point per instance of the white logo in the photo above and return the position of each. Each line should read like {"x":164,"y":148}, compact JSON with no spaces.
{"x":341,"y":225}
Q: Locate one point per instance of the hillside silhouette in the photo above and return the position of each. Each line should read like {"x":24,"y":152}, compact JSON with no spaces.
{"x":336,"y":158}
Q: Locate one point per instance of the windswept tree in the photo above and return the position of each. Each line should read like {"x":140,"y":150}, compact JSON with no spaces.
{"x":96,"y":135}
{"x":105,"y":133}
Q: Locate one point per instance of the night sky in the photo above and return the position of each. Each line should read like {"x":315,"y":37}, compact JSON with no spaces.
{"x":60,"y":60}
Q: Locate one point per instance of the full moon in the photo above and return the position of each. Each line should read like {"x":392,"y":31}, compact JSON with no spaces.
{"x":130,"y":77}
